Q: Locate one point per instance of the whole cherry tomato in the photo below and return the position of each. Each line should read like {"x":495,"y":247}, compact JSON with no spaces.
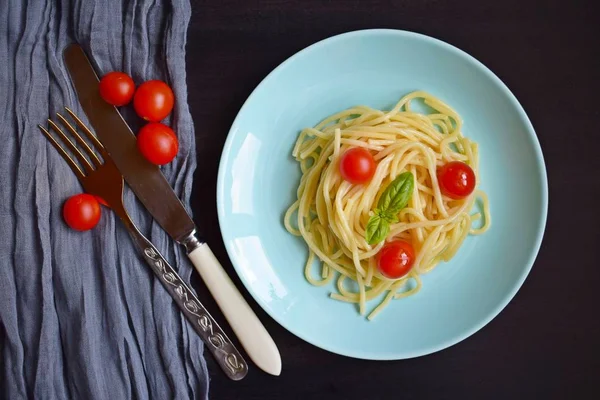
{"x":395,"y":259}
{"x":158,"y":143}
{"x":117,"y":88}
{"x":153,"y":100}
{"x":82,"y":212}
{"x":357,"y":165}
{"x":456,"y":179}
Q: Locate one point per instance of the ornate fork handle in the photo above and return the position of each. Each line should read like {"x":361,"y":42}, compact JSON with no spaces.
{"x":223,"y":350}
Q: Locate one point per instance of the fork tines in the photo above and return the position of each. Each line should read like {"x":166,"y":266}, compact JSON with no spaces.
{"x":90,"y":161}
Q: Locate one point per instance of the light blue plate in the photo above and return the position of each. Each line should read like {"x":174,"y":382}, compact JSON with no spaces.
{"x":258,"y":180}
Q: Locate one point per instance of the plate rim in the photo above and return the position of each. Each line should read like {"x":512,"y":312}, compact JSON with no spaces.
{"x":540,"y":229}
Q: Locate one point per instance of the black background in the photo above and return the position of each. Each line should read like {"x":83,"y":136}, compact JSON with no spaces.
{"x":545,"y":344}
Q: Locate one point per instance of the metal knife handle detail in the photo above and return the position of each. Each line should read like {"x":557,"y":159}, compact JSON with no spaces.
{"x":217,"y":342}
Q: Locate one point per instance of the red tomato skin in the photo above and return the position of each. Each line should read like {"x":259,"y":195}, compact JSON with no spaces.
{"x":158,"y":143}
{"x":357,"y":165}
{"x":153,"y":100}
{"x":117,"y":88}
{"x":395,"y":259}
{"x":456,"y":179}
{"x":82,"y":212}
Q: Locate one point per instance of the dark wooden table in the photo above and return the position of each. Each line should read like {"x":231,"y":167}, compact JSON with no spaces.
{"x":546,"y":343}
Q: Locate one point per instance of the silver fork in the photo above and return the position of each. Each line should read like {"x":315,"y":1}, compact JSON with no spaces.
{"x":101,"y":177}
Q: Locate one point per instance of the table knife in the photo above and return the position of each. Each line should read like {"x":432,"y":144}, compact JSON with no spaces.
{"x":155,"y":193}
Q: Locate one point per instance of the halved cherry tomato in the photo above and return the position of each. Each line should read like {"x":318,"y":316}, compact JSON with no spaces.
{"x":117,"y":88}
{"x":395,"y":259}
{"x":153,"y":100}
{"x":357,"y":165}
{"x":82,"y":212}
{"x":456,"y":179}
{"x":158,"y":143}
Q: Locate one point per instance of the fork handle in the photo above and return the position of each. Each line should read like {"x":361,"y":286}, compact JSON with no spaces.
{"x":221,"y":347}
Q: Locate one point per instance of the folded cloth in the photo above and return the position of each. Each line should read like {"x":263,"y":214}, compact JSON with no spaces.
{"x":81,"y":315}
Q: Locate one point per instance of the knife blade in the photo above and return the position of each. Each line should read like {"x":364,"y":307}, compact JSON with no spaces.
{"x":157,"y":196}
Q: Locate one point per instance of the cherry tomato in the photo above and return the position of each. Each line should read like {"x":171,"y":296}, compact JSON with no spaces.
{"x":117,"y":88}
{"x":82,"y":212}
{"x":395,"y":259}
{"x":357,"y":165}
{"x":158,"y":143}
{"x":456,"y":179}
{"x":153,"y":100}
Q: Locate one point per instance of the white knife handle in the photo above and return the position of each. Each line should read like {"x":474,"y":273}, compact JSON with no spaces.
{"x":250,"y":331}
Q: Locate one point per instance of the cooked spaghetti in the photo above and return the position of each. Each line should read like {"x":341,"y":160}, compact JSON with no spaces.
{"x":332,"y":214}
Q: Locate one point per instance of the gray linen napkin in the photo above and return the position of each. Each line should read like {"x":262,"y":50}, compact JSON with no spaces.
{"x":81,"y":316}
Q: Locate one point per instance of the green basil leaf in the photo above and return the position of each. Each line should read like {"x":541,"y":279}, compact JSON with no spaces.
{"x":390,"y":218}
{"x":396,"y":195}
{"x":377,"y":228}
